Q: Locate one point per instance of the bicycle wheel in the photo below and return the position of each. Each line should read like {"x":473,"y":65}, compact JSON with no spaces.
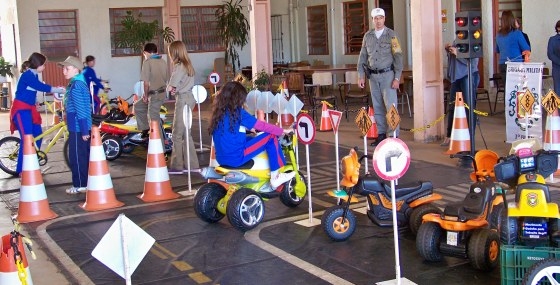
{"x":66,"y":152}
{"x":9,"y":149}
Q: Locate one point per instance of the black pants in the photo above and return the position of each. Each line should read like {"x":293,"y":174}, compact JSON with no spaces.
{"x":78,"y":154}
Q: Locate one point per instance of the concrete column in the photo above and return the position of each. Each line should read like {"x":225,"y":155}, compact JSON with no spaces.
{"x":261,"y":37}
{"x":172,"y":17}
{"x":427,"y":62}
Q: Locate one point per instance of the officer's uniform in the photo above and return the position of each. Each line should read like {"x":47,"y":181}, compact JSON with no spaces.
{"x":384,"y":58}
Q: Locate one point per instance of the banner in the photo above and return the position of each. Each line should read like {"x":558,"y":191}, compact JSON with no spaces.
{"x":523,"y":92}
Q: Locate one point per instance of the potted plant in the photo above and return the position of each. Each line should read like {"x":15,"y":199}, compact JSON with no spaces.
{"x":233,"y":30}
{"x":5,"y":70}
{"x":136,"y":33}
{"x":261,"y":80}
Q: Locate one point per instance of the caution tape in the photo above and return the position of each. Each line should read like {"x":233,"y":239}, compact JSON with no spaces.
{"x":430,"y":125}
{"x":328,"y":104}
{"x":480,"y":113}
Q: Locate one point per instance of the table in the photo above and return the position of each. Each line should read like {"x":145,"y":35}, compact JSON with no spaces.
{"x":336,"y":68}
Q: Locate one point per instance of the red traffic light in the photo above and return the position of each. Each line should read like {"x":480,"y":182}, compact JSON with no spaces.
{"x":461,"y":21}
{"x":475,"y":21}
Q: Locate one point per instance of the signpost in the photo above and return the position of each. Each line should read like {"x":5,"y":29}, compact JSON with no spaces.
{"x":200,"y":96}
{"x":550,"y":102}
{"x":364,"y":124}
{"x":335,"y":120}
{"x":214,"y":78}
{"x":305,"y":130}
{"x":391,"y":160}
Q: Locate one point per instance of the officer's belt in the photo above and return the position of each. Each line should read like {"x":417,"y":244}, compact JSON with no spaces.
{"x":382,"y":70}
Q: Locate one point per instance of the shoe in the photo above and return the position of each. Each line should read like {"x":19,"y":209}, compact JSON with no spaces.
{"x":281,"y":178}
{"x":76,"y":190}
{"x":175,"y":171}
{"x":378,"y":140}
{"x":145,"y":134}
{"x":445,"y":142}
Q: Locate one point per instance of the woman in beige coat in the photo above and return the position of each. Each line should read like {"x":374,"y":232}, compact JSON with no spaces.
{"x":180,"y":85}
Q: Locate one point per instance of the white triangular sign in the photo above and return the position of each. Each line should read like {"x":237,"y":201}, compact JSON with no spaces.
{"x":335,"y":119}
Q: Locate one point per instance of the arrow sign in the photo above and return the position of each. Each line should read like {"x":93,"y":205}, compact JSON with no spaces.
{"x":214,"y":78}
{"x":335,"y":119}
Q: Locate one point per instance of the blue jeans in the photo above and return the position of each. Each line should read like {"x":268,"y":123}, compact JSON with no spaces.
{"x":24,"y":124}
{"x":269,"y":143}
{"x":78,"y":154}
{"x":460,"y":85}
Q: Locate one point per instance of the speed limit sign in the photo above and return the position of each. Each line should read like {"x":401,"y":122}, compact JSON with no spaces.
{"x":214,"y":78}
{"x":305,"y":128}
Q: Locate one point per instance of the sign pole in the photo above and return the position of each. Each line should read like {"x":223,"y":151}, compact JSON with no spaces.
{"x":124,"y":242}
{"x":395,"y":233}
{"x":187,"y":117}
{"x":309,"y":184}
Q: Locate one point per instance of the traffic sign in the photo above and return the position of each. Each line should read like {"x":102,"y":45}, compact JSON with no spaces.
{"x":305,"y":128}
{"x":335,"y":119}
{"x":214,"y":78}
{"x":551,"y":102}
{"x":393,"y":118}
{"x":199,"y":93}
{"x":526,"y":101}
{"x":363,"y":121}
{"x":391,"y":159}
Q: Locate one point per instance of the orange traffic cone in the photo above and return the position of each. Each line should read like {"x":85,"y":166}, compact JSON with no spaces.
{"x":100,"y":194}
{"x":372,"y":133}
{"x":33,"y":203}
{"x":552,"y":133}
{"x":213,"y":162}
{"x":460,"y":137}
{"x":9,"y":273}
{"x":326,"y":124}
{"x":157,"y":186}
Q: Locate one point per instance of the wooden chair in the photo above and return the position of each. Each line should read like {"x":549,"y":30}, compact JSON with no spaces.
{"x":402,"y":95}
{"x":350,"y":92}
{"x":296,"y":87}
{"x":275,"y":82}
{"x":499,"y":83}
{"x":322,"y":90}
{"x":483,"y":94}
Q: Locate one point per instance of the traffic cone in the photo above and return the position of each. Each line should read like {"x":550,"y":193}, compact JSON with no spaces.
{"x":8,"y":269}
{"x":552,"y":132}
{"x":100,"y":194}
{"x":372,"y":133}
{"x":213,"y":162}
{"x":33,"y":203}
{"x":157,"y":186}
{"x":326,"y":124}
{"x":460,"y":137}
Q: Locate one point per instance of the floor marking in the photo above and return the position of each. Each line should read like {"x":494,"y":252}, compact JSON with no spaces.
{"x":181,"y":265}
{"x":199,"y":277}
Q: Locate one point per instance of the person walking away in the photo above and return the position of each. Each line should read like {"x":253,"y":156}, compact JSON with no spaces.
{"x":510,"y":43}
{"x":90,"y":76}
{"x":381,"y":61}
{"x":457,"y":72}
{"x":154,"y":74}
{"x":518,"y":26}
{"x":553,"y":53}
{"x":233,"y":148}
{"x":23,"y":114}
{"x":78,"y":118}
{"x":180,"y":85}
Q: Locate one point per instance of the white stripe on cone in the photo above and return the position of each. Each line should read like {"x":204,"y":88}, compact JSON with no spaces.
{"x":460,"y":134}
{"x":155,"y":146}
{"x":100,"y":183}
{"x":32,"y":193}
{"x":30,"y":162}
{"x":13,"y":278}
{"x":97,"y":153}
{"x":159,"y":174}
{"x":460,"y":113}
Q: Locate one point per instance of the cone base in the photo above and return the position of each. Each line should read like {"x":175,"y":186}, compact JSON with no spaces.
{"x":34,"y":211}
{"x":101,"y":200}
{"x":328,"y":130}
{"x":158,"y":191}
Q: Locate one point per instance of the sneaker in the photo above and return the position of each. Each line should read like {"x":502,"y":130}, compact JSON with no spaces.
{"x":281,"y":178}
{"x":175,"y":171}
{"x":76,"y":190}
{"x":145,"y":134}
{"x":445,"y":142}
{"x":378,"y":140}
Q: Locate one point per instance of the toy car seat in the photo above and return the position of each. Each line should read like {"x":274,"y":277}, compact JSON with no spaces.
{"x":474,"y":204}
{"x":485,"y":161}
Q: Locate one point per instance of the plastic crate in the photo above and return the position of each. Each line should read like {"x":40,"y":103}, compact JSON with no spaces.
{"x":515,"y":260}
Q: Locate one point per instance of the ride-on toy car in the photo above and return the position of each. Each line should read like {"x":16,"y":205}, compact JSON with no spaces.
{"x":240,"y":192}
{"x":413,"y":201}
{"x":466,"y":229}
{"x":532,"y":218}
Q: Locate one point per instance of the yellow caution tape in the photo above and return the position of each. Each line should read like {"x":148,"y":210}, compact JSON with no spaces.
{"x":480,"y":113}
{"x":328,"y":104}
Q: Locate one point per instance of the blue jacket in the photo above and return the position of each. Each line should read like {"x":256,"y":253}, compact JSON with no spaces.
{"x":90,"y":76}
{"x":28,"y":85}
{"x":77,"y":105}
{"x":511,"y":46}
{"x":553,"y":51}
{"x":230,"y":145}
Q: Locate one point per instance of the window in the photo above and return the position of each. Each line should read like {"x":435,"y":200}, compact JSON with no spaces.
{"x":199,"y":29}
{"x":317,"y":35}
{"x":355,"y":25}
{"x":58,"y":34}
{"x":148,"y":15}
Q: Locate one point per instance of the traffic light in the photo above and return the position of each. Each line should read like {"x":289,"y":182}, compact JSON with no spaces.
{"x":468,"y":34}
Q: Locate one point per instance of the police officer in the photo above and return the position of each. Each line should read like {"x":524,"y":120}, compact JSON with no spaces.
{"x":381,"y":61}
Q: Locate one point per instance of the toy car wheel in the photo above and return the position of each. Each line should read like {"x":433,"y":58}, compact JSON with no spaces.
{"x":496,"y":217}
{"x":484,"y":249}
{"x":427,"y":241}
{"x":337,"y":227}
{"x":415,"y":219}
{"x":245,"y":209}
{"x":543,"y":271}
{"x":288,"y":195}
{"x":112,"y":145}
{"x":206,"y":202}
{"x":508,"y":230}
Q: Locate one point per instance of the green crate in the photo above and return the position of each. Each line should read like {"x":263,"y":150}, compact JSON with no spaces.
{"x":516,"y":259}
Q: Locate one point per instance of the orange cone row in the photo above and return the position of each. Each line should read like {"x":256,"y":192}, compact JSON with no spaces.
{"x":157,"y":186}
{"x":8,"y":269}
{"x":326,"y":123}
{"x":100,"y":194}
{"x":460,"y":136}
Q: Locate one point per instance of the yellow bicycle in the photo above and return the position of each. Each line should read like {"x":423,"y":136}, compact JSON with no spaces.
{"x":9,"y":147}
